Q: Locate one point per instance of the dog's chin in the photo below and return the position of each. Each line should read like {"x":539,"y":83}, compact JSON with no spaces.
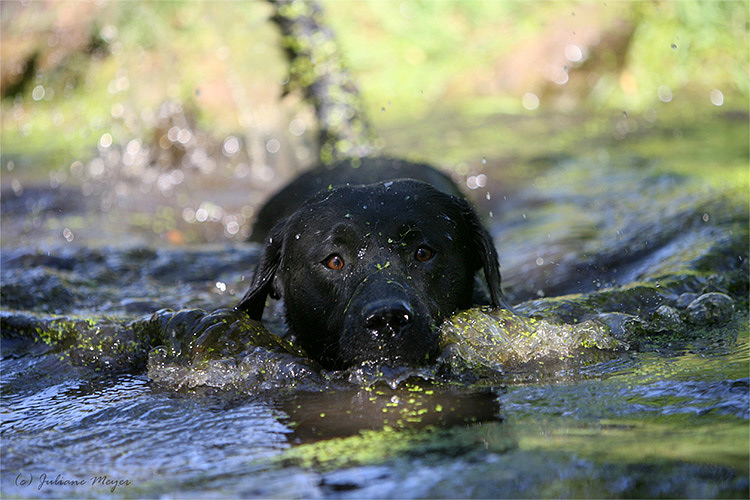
{"x":416,"y":346}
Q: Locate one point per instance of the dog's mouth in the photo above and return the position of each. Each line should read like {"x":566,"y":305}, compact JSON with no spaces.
{"x":394,"y":333}
{"x":386,"y":321}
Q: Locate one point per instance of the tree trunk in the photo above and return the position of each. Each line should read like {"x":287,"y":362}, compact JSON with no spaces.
{"x":317,"y":69}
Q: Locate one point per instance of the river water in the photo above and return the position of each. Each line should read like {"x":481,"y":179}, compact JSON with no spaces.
{"x":607,"y":230}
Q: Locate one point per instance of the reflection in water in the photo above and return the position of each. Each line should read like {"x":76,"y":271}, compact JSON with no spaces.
{"x":342,"y":413}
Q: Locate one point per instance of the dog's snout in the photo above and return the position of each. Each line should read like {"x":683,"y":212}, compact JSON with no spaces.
{"x":388,"y":317}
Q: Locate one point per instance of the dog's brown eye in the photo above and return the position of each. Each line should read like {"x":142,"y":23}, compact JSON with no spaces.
{"x":334,"y":262}
{"x":423,"y":254}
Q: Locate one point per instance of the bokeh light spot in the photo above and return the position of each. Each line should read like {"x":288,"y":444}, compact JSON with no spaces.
{"x":530,"y":101}
{"x":717,"y":97}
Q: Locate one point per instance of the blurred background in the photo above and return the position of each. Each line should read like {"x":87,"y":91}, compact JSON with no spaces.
{"x":168,"y":122}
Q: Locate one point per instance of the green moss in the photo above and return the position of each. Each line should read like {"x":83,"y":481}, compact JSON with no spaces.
{"x":491,"y":340}
{"x":190,"y":335}
{"x":373,"y":447}
{"x":671,"y":438}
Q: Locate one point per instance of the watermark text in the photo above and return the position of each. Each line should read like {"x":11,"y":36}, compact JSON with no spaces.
{"x":47,"y":481}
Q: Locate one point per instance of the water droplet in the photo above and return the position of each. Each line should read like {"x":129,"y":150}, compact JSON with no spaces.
{"x":38,"y":93}
{"x":117,"y":110}
{"x":296,"y":236}
{"x":105,"y":141}
{"x":664,"y":93}
{"x":17,"y":187}
{"x":573,"y":53}
{"x":184,"y":136}
{"x":717,"y":97}
{"x":188,"y":214}
{"x":476,"y":181}
{"x":108,"y":33}
{"x":297,"y":127}
{"x":273,"y":146}
{"x":559,"y":75}
{"x":231,"y":146}
{"x":233,"y":227}
{"x":530,"y":101}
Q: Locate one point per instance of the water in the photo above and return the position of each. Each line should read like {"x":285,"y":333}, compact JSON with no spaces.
{"x":122,"y":428}
{"x":664,"y":413}
{"x":640,"y":425}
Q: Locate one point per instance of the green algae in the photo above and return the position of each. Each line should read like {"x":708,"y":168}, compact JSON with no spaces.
{"x":624,"y":426}
{"x":103,"y":343}
{"x":679,"y":438}
{"x":373,"y":447}
{"x":661,"y":264}
{"x":226,"y":349}
{"x":486,"y":340}
{"x":189,"y":335}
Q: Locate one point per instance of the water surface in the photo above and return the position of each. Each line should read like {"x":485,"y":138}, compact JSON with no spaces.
{"x":666,"y":417}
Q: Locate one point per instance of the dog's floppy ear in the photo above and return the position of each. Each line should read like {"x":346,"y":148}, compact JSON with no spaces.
{"x":484,"y":253}
{"x":265,"y":274}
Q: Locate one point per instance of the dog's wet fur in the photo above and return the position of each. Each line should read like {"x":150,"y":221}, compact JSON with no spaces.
{"x":368,"y":268}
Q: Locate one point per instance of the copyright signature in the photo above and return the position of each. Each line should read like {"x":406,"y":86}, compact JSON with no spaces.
{"x":45,"y":480}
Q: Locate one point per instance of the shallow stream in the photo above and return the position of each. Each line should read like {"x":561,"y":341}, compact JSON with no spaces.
{"x":106,"y":392}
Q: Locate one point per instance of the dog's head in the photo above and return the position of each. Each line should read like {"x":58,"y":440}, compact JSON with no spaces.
{"x":368,"y":273}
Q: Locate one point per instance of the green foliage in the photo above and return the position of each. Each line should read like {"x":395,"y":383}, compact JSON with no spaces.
{"x":428,"y":53}
{"x":691,"y":47}
{"x":151,"y":52}
{"x":410,"y":58}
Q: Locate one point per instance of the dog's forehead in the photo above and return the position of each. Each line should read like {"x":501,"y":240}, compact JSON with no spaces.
{"x":379,"y":202}
{"x":388,"y":209}
{"x":382,"y":218}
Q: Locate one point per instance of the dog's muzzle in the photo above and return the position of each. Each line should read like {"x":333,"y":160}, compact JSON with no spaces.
{"x":387,"y":316}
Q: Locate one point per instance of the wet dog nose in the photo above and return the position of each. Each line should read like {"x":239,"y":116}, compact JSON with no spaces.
{"x":388,"y":317}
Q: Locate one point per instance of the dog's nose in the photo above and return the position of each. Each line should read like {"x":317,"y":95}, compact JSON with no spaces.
{"x":388,"y":317}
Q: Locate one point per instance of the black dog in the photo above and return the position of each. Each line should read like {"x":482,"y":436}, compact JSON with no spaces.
{"x":357,"y":171}
{"x":368,"y":272}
